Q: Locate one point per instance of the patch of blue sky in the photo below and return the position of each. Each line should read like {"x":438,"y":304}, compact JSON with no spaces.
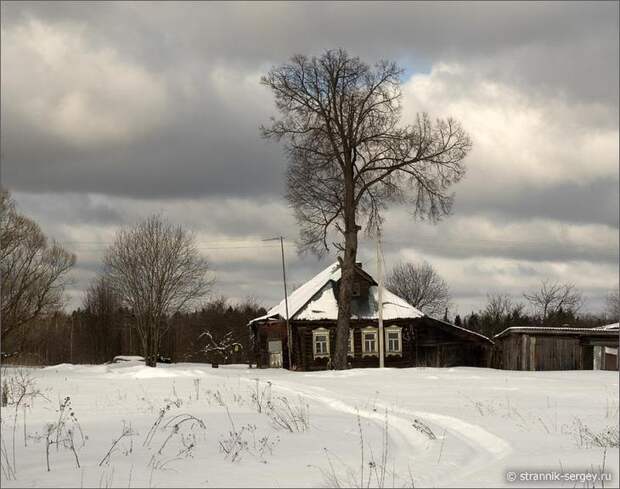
{"x":414,"y":65}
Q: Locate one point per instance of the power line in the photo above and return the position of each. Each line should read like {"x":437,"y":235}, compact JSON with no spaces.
{"x":389,"y":241}
{"x":221,"y":244}
{"x":207,"y":247}
{"x":428,"y":244}
{"x":101,"y":241}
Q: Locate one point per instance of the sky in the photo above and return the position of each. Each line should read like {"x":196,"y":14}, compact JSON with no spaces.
{"x":114,"y":111}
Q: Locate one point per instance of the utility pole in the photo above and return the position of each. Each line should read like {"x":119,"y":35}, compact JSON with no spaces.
{"x":380,"y":297}
{"x":288,"y":326}
{"x":71,"y":342}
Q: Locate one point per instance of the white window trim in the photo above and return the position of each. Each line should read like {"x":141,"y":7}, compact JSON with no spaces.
{"x":393,"y":329}
{"x":366,"y":330}
{"x":351,"y":352}
{"x":320,"y":332}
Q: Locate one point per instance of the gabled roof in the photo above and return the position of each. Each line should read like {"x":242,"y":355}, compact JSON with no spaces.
{"x":316,"y":299}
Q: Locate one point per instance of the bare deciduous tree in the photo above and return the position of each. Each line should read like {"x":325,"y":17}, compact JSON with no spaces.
{"x":349,"y":158}
{"x":553,"y":297}
{"x":501,"y":306}
{"x":421,"y":286}
{"x":101,"y":306}
{"x":156,"y":270}
{"x":34,"y":271}
{"x":222,"y":348}
{"x":500,"y":312}
{"x":613,"y":305}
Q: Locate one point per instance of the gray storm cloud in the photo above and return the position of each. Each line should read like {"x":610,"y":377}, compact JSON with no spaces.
{"x":111,"y":111}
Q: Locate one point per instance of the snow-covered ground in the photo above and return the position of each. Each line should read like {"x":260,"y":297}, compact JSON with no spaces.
{"x":189,"y":425}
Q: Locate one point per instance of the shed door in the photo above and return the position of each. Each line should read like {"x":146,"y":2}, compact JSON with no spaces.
{"x":611,"y":358}
{"x":587,"y":357}
{"x":275,"y":353}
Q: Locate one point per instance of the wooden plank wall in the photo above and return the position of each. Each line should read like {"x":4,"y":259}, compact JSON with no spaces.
{"x":538,"y":352}
{"x":557,"y":353}
{"x":510,"y":352}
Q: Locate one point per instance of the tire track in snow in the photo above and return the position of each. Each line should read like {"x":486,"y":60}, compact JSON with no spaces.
{"x":474,"y":434}
{"x":403,"y":436}
{"x":409,"y":438}
{"x":490,"y":448}
{"x":486,"y":446}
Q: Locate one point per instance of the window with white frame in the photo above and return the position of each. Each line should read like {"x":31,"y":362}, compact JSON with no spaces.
{"x":370,"y":346}
{"x":351,"y":343}
{"x":320,"y":342}
{"x":393,"y":340}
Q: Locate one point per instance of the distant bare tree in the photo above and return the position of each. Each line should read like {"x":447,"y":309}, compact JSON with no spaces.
{"x":553,"y":297}
{"x":156,"y":270}
{"x":613,"y":305}
{"x":421,"y":286}
{"x":101,"y":306}
{"x":349,"y":158}
{"x":501,"y":311}
{"x":34,"y":271}
{"x":500,"y":306}
{"x":100,"y":297}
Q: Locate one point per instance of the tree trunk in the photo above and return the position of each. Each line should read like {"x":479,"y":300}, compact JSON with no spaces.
{"x":347,"y":269}
{"x":150,"y":355}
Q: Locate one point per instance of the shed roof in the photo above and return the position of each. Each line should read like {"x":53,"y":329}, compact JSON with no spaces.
{"x":607,"y":327}
{"x":561,"y":330}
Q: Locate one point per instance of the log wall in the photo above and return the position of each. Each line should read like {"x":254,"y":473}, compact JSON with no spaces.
{"x":425,"y":343}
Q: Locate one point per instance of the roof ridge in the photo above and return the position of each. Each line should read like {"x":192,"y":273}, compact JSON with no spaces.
{"x":299,"y":299}
{"x":294,"y":307}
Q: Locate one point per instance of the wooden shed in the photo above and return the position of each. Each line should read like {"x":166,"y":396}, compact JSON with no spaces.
{"x":606,"y":358}
{"x":410,"y":337}
{"x":555,"y":348}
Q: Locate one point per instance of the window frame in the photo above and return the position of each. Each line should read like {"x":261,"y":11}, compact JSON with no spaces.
{"x":375,"y":332}
{"x":351,"y":351}
{"x":399,"y":331}
{"x":320,"y":332}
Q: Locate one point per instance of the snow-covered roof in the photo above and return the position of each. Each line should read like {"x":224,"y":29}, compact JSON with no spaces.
{"x":609,"y":327}
{"x":316,"y":299}
{"x":559,"y":330}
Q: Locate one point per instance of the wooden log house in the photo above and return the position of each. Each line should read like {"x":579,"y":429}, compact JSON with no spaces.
{"x":410,"y":337}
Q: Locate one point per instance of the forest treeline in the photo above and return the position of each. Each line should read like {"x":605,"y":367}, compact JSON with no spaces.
{"x":153,"y":297}
{"x":91,"y":337}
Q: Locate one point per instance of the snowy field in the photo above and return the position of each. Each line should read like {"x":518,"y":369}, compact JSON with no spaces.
{"x":189,"y":425}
